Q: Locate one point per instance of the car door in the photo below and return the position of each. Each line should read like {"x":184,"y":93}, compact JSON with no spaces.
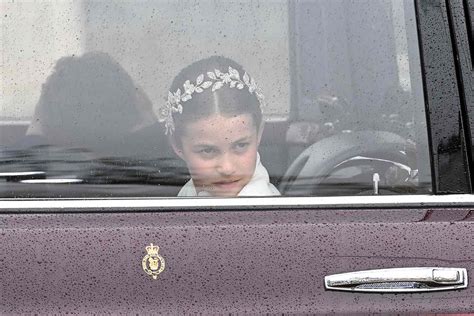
{"x":121,"y":243}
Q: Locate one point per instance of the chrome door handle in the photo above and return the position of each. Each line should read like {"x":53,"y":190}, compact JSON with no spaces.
{"x":397,"y":280}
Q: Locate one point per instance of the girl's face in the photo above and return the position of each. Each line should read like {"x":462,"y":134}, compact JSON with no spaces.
{"x":220,"y":153}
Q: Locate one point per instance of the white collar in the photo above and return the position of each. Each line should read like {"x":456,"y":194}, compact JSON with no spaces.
{"x":259,"y":185}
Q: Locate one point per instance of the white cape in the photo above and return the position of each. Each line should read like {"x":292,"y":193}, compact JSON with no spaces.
{"x":259,"y":185}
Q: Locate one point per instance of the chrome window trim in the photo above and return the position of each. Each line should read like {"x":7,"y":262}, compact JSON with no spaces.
{"x":247,"y":203}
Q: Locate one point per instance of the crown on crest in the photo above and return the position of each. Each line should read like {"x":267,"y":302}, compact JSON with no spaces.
{"x":152,"y":250}
{"x":214,"y":80}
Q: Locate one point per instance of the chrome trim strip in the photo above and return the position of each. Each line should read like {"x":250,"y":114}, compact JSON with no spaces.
{"x":13,"y":122}
{"x":387,"y":201}
{"x":21,"y":173}
{"x":52,"y":181}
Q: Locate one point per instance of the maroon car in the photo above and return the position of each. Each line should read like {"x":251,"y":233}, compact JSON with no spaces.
{"x":368,"y":111}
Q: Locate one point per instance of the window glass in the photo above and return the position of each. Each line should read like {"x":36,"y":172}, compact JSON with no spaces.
{"x":211,"y":98}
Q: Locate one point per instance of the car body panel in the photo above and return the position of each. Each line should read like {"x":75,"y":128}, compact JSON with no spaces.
{"x":227,"y":261}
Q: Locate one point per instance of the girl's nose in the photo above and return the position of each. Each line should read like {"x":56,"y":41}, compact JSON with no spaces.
{"x":226,"y":165}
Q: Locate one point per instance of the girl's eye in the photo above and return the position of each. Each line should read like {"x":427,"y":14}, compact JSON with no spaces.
{"x":242,"y":146}
{"x":207,"y":152}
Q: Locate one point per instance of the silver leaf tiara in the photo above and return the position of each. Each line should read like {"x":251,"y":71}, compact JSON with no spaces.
{"x":216,"y":80}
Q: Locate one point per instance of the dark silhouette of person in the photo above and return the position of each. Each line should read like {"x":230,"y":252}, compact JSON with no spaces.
{"x":93,"y":123}
{"x":89,"y":102}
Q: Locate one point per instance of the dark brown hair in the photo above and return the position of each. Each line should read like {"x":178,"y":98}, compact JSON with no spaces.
{"x":226,"y":101}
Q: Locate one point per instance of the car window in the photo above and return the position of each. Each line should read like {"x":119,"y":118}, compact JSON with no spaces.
{"x":220,"y":99}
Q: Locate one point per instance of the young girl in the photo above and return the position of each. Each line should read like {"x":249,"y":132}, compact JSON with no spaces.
{"x":214,"y":120}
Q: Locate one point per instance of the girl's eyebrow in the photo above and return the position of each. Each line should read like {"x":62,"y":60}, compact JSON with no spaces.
{"x":207,"y":145}
{"x":201,"y":145}
{"x":243,"y":139}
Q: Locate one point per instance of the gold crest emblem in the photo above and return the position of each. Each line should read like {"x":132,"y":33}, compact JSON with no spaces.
{"x":153,"y":264}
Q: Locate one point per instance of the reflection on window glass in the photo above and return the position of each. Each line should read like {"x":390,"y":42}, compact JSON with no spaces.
{"x":186,"y":98}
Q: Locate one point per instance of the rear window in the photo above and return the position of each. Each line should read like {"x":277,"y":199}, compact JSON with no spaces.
{"x":215,"y":99}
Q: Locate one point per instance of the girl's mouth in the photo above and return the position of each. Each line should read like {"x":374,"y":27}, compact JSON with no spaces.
{"x":227,"y":184}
